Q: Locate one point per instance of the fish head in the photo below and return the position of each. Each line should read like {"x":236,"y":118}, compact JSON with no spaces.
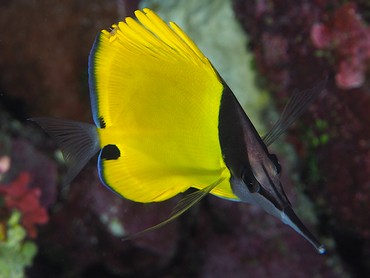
{"x":258,"y":183}
{"x":254,"y":172}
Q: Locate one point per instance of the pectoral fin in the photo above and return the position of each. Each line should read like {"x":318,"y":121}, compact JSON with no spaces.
{"x":296,"y":106}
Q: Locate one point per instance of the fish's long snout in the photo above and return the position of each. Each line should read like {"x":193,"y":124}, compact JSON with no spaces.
{"x":291,"y":219}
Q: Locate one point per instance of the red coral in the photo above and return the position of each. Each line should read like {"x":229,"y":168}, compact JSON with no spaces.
{"x":347,"y":35}
{"x":19,"y":196}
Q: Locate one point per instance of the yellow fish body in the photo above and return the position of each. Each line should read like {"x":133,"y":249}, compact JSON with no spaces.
{"x":156,"y":97}
{"x":166,"y":121}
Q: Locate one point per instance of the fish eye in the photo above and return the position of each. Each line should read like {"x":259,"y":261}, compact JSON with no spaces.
{"x":275,"y":160}
{"x":250,"y":185}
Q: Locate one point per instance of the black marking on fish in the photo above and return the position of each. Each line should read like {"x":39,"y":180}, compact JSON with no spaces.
{"x":101,"y":122}
{"x":110,"y":152}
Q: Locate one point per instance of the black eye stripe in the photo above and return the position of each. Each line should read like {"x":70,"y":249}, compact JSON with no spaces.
{"x":247,"y":181}
{"x":272,"y":183}
{"x":252,"y":185}
{"x":275,"y":160}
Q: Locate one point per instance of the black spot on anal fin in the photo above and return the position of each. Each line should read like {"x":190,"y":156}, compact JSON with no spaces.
{"x":110,"y":152}
{"x":101,"y":122}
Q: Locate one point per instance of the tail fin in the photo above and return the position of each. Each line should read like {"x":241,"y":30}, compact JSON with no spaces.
{"x":79,"y":142}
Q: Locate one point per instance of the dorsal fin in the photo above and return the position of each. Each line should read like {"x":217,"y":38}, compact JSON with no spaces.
{"x":295,"y":107}
{"x":79,"y":142}
{"x":183,"y":205}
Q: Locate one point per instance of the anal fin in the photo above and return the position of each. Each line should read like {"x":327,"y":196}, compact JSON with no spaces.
{"x":182,"y":206}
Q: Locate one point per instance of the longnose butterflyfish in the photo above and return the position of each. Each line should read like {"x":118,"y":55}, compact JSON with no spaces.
{"x":166,"y":121}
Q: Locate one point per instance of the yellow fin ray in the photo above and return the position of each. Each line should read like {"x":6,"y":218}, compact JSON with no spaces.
{"x":189,"y":42}
{"x":140,"y":39}
{"x":178,"y":40}
{"x":156,"y":25}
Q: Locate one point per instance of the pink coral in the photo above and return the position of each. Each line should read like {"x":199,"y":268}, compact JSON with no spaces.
{"x":4,"y":165}
{"x":321,"y":35}
{"x":347,"y":35}
{"x":18,"y":195}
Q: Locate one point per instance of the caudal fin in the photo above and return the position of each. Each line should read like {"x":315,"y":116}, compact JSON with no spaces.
{"x":79,"y":142}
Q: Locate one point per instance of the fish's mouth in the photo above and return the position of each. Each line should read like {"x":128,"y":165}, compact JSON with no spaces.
{"x":291,"y":219}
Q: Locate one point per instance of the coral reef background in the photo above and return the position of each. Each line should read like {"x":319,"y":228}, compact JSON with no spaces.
{"x":280,"y":45}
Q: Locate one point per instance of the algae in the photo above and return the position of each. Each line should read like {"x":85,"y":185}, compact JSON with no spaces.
{"x":15,"y":253}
